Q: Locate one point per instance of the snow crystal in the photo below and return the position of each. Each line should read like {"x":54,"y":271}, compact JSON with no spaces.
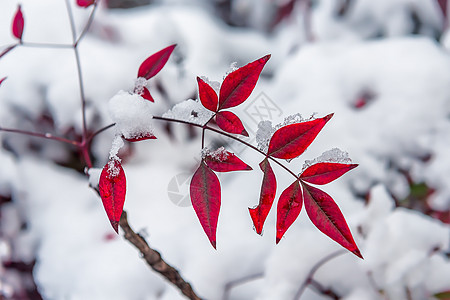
{"x":219,"y":154}
{"x":233,"y":67}
{"x":334,"y":155}
{"x":190,"y":111}
{"x":132,"y":115}
{"x":263,"y":135}
{"x":139,"y":85}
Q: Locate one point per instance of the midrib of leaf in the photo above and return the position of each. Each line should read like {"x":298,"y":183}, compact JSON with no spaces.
{"x":234,"y":90}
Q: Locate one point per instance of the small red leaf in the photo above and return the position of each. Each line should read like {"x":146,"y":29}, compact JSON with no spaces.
{"x":292,"y":140}
{"x":147,"y":136}
{"x":18,"y":24}
{"x":323,"y":173}
{"x":205,"y":198}
{"x":3,"y":79}
{"x":226,"y":162}
{"x":289,"y":207}
{"x":229,"y":122}
{"x":85,"y":3}
{"x":239,"y":84}
{"x":327,"y":217}
{"x":207,"y":95}
{"x":155,"y":62}
{"x":268,"y":191}
{"x":113,"y":186}
{"x":146,"y":94}
{"x":7,"y":50}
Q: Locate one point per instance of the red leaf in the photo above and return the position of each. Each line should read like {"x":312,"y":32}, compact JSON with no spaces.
{"x":146,"y":95}
{"x":323,"y":173}
{"x":229,"y":122}
{"x":85,"y":3}
{"x":443,"y":6}
{"x":292,"y":140}
{"x":226,"y":162}
{"x":205,"y":198}
{"x":239,"y":84}
{"x":7,"y":50}
{"x":113,"y":186}
{"x":268,"y":191}
{"x":327,"y":217}
{"x":3,"y":79}
{"x":155,"y":62}
{"x":147,"y":136}
{"x":289,"y":207}
{"x":207,"y":95}
{"x":18,"y":23}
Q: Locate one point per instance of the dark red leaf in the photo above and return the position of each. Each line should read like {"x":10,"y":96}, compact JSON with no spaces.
{"x":146,"y":95}
{"x":443,"y":6}
{"x":292,"y":140}
{"x":18,"y":23}
{"x":1,"y":80}
{"x":323,"y":173}
{"x":229,"y":122}
{"x":205,"y":198}
{"x":268,"y":191}
{"x":147,"y":136}
{"x":207,"y":95}
{"x":7,"y":50}
{"x":239,"y":84}
{"x":113,"y":186}
{"x":327,"y":217}
{"x":85,"y":3}
{"x":226,"y":162}
{"x":155,"y":62}
{"x":289,"y":207}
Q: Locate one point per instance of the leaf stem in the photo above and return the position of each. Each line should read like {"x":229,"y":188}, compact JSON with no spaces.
{"x":88,"y":24}
{"x":47,"y":136}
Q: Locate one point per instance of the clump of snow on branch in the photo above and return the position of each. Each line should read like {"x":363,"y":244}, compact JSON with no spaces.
{"x":334,"y":155}
{"x":139,"y":85}
{"x":263,"y":135}
{"x":189,"y":111}
{"x":219,"y":154}
{"x":132,"y":115}
{"x":117,"y":144}
{"x":233,"y":67}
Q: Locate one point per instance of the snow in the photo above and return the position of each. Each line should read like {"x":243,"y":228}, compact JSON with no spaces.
{"x":334,"y":155}
{"x":398,"y":138}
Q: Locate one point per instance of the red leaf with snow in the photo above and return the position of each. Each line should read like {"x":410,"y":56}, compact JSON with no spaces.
{"x":18,"y":23}
{"x":7,"y":50}
{"x":146,"y":95}
{"x":113,"y":186}
{"x":226,"y":162}
{"x":326,"y":172}
{"x":1,"y":80}
{"x":239,"y":84}
{"x":207,"y":95}
{"x":85,"y":3}
{"x":268,"y":191}
{"x":229,"y":122}
{"x":327,"y":217}
{"x":292,"y":140}
{"x":205,"y":198}
{"x":155,"y":62}
{"x":289,"y":207}
{"x":147,"y":136}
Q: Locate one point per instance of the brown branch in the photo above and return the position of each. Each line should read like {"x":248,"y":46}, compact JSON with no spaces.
{"x":154,"y":259}
{"x":240,"y":281}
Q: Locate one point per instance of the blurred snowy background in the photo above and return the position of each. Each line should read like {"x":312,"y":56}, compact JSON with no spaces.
{"x":383,"y":68}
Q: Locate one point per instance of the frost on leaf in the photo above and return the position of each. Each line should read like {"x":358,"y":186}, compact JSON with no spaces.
{"x":325,"y":172}
{"x":224,"y":161}
{"x":190,"y":111}
{"x":18,"y":24}
{"x":239,"y":84}
{"x":132,"y":115}
{"x":155,"y":62}
{"x":327,"y":217}
{"x":207,"y":95}
{"x":334,"y":155}
{"x":85,"y":3}
{"x":267,"y":195}
{"x":112,"y":188}
{"x":288,"y":209}
{"x":205,"y":198}
{"x":290,"y":141}
{"x":229,"y":122}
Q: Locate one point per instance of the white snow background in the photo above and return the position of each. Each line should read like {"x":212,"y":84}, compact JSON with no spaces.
{"x":401,"y":134}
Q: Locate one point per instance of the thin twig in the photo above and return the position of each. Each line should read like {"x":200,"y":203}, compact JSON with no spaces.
{"x":88,"y":25}
{"x":240,"y":281}
{"x":47,"y":136}
{"x":46,"y":45}
{"x":100,"y":131}
{"x":154,"y":259}
{"x":314,"y":269}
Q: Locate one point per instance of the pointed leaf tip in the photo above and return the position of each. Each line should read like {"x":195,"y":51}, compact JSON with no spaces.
{"x":229,"y":122}
{"x":155,"y":62}
{"x":18,"y":23}
{"x":115,"y":225}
